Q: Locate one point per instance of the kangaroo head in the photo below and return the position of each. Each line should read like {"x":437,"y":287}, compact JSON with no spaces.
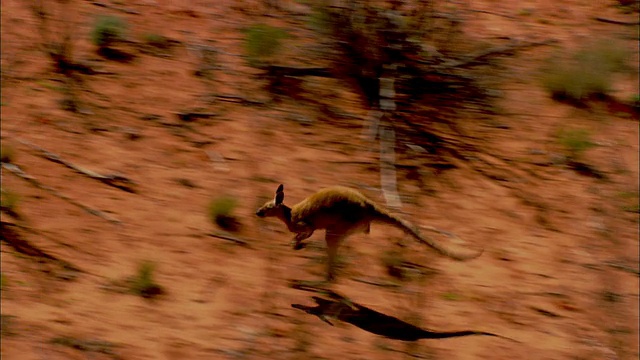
{"x":273,"y":207}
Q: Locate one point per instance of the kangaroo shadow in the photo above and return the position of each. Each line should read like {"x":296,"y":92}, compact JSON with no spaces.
{"x":343,"y":309}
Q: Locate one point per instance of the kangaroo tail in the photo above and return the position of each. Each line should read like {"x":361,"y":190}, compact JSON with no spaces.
{"x":462,"y":254}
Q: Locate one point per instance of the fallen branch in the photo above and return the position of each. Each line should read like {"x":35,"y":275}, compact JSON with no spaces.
{"x":617,"y":22}
{"x":502,"y":49}
{"x":115,"y":180}
{"x":193,"y":115}
{"x":229,"y":238}
{"x":367,"y":163}
{"x":385,"y":284}
{"x":623,"y":267}
{"x":55,"y":239}
{"x":275,"y":70}
{"x":92,"y":346}
{"x":11,"y":237}
{"x":117,"y":8}
{"x":238,"y":99}
{"x":18,"y":172}
{"x":494,"y":13}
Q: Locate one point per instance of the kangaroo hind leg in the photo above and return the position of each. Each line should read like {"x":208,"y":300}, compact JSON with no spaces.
{"x":296,"y":243}
{"x":333,"y":239}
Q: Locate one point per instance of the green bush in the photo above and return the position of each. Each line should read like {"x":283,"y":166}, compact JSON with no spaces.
{"x":143,"y":283}
{"x":575,"y":83}
{"x":605,"y":54}
{"x":585,"y":73}
{"x":575,"y":142}
{"x":156,"y":40}
{"x":107,"y":30}
{"x":221,"y":212}
{"x":320,"y":20}
{"x":262,"y":42}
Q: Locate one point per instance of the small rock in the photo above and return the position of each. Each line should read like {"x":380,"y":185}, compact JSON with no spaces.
{"x":537,"y":152}
{"x":301,"y":119}
{"x":131,"y":133}
{"x":151,"y":117}
{"x":558,"y":159}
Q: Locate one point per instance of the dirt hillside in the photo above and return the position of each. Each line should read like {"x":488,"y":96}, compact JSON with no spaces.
{"x":156,"y":138}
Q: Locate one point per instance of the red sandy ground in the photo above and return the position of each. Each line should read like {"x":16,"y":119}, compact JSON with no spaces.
{"x":552,"y":237}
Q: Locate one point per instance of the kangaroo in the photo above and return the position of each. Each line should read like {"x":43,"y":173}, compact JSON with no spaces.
{"x":342,"y":212}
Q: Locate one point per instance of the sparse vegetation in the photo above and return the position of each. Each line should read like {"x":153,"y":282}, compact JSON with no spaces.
{"x":8,"y":201}
{"x":57,"y":39}
{"x":635,"y":102}
{"x":50,"y":86}
{"x":302,"y":339}
{"x":610,"y":296}
{"x":631,"y":201}
{"x":628,"y":6}
{"x":96,"y":346}
{"x":7,"y":325}
{"x":221,"y":212}
{"x":632,"y":208}
{"x":262,"y":42}
{"x":586,"y":73}
{"x":628,"y":194}
{"x":570,"y":82}
{"x":143,"y":282}
{"x":7,"y":154}
{"x":575,"y":142}
{"x":107,"y":30}
{"x":341,"y":262}
{"x":525,"y":12}
{"x":510,"y":184}
{"x":392,"y":261}
{"x":366,"y":42}
{"x":186,"y":183}
{"x":156,"y":41}
{"x":320,"y":20}
{"x":451,"y":296}
{"x":3,"y":281}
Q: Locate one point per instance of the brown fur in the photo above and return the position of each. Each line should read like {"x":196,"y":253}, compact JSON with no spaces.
{"x":342,"y":212}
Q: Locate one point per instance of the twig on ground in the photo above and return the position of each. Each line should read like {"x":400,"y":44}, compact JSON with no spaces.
{"x":229,"y":238}
{"x":189,"y":116}
{"x":623,"y":267}
{"x":497,"y":50}
{"x":11,"y":237}
{"x":18,"y":172}
{"x":238,"y":99}
{"x":386,"y":284}
{"x":494,"y":13}
{"x":115,"y":180}
{"x":616,"y":22}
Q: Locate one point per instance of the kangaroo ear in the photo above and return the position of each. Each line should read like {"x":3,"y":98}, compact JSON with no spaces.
{"x":279,"y":195}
